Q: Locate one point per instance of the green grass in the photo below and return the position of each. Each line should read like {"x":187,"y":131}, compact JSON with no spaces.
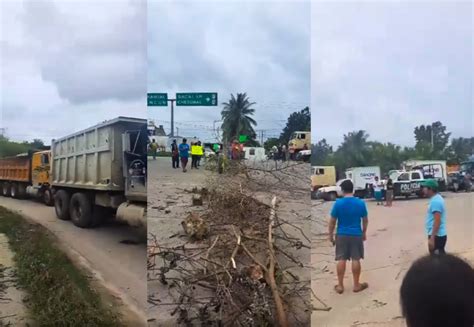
{"x":58,"y":293}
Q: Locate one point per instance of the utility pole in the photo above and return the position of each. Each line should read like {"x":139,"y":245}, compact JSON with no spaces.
{"x":432,"y":137}
{"x":172,"y":115}
{"x":177,"y":131}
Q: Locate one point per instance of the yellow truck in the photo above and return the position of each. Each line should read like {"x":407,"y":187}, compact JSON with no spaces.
{"x":322,"y":176}
{"x":300,"y":140}
{"x":27,"y":174}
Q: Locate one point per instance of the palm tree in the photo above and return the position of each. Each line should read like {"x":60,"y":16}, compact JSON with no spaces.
{"x":236,"y":118}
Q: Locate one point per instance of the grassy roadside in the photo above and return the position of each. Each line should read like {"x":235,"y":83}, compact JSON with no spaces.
{"x":59,"y":294}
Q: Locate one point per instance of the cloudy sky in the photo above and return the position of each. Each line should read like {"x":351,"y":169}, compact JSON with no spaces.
{"x":388,"y":67}
{"x":66,"y":65}
{"x":258,"y":47}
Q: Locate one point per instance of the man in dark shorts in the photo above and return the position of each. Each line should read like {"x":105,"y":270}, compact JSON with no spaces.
{"x":184,"y":154}
{"x":350,"y":214}
{"x":435,"y":221}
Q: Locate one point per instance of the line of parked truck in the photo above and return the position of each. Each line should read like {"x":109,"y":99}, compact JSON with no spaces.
{"x":88,"y":176}
{"x":406,"y":182}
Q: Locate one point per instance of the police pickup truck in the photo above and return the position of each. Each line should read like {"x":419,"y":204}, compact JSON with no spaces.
{"x":407,"y":183}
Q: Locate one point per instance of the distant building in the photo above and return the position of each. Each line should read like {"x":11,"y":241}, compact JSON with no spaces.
{"x":153,"y":130}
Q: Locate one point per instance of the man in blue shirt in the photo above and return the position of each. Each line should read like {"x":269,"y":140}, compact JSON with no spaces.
{"x":184,"y":154}
{"x":435,"y":221}
{"x":350,"y":213}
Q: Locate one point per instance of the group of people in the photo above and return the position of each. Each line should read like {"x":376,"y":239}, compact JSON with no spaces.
{"x":378,"y":187}
{"x":181,"y":153}
{"x":437,"y":290}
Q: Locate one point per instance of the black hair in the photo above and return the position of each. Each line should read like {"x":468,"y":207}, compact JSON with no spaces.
{"x":438,"y":291}
{"x":347,"y":186}
{"x":184,"y":140}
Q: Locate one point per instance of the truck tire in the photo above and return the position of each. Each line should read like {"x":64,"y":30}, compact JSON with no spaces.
{"x":332,"y":196}
{"x":48,"y":197}
{"x":5,"y":189}
{"x":14,"y":190}
{"x":61,"y":204}
{"x":80,"y":210}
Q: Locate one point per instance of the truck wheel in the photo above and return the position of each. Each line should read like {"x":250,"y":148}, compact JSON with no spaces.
{"x":81,"y":210}
{"x":6,"y":189}
{"x":14,"y":190}
{"x":455,"y":187}
{"x":61,"y":204}
{"x":332,"y":196}
{"x":48,"y":197}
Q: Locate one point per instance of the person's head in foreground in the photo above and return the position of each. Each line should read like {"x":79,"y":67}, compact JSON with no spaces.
{"x":184,"y":140}
{"x":430,"y":187}
{"x":438,"y":291}
{"x":347,"y":187}
{"x":174,"y":141}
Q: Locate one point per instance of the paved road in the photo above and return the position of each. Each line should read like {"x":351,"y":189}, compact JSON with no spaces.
{"x":395,"y":238}
{"x":120,"y":267}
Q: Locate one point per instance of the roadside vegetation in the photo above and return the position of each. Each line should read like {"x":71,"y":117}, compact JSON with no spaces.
{"x":58,"y":293}
{"x":432,"y":142}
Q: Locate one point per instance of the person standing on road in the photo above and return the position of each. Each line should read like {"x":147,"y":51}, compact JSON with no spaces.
{"x":200,"y":151}
{"x":284,"y":152}
{"x":377,"y":190}
{"x":175,"y":154}
{"x":153,"y":148}
{"x":435,"y":221}
{"x":350,"y":214}
{"x":194,"y":155}
{"x":389,"y":192}
{"x":184,"y":154}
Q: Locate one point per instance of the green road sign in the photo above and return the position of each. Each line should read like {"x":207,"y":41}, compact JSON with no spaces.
{"x":157,"y":99}
{"x":196,"y":99}
{"x":242,"y":138}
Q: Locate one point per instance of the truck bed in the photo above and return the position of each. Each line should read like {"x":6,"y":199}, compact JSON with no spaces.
{"x":93,"y":158}
{"x":16,"y":169}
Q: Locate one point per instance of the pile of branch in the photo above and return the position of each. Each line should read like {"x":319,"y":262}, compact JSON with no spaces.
{"x":234,"y":276}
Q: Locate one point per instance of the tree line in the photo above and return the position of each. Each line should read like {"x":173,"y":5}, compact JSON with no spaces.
{"x":10,"y":148}
{"x":432,"y":142}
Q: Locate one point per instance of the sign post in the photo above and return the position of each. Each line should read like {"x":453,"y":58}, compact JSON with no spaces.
{"x":182,"y":99}
{"x":157,"y":99}
{"x":196,"y":99}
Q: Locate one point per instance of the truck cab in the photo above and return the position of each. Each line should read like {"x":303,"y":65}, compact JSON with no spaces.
{"x":322,"y":176}
{"x":300,"y":140}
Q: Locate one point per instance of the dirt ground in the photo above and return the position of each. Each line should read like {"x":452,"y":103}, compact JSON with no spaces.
{"x":112,"y":263}
{"x":12,"y":308}
{"x":169,"y":203}
{"x":395,"y":239}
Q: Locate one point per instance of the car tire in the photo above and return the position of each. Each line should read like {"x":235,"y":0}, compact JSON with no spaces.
{"x":80,"y":210}
{"x":61,"y":204}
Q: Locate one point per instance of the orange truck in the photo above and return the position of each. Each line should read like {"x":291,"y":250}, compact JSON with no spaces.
{"x":27,"y":174}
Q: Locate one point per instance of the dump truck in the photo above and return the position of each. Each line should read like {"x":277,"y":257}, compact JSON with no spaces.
{"x":27,"y":174}
{"x":299,"y":141}
{"x":88,"y":175}
{"x":101,"y":170}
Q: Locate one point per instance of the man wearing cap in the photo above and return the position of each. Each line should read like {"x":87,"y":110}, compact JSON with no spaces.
{"x":435,"y":222}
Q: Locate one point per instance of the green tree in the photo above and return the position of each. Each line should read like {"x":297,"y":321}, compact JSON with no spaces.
{"x":270,"y":142}
{"x":298,"y":121}
{"x":459,"y":150}
{"x":354,"y":151}
{"x":434,"y":135}
{"x":321,"y":153}
{"x":237,"y":118}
